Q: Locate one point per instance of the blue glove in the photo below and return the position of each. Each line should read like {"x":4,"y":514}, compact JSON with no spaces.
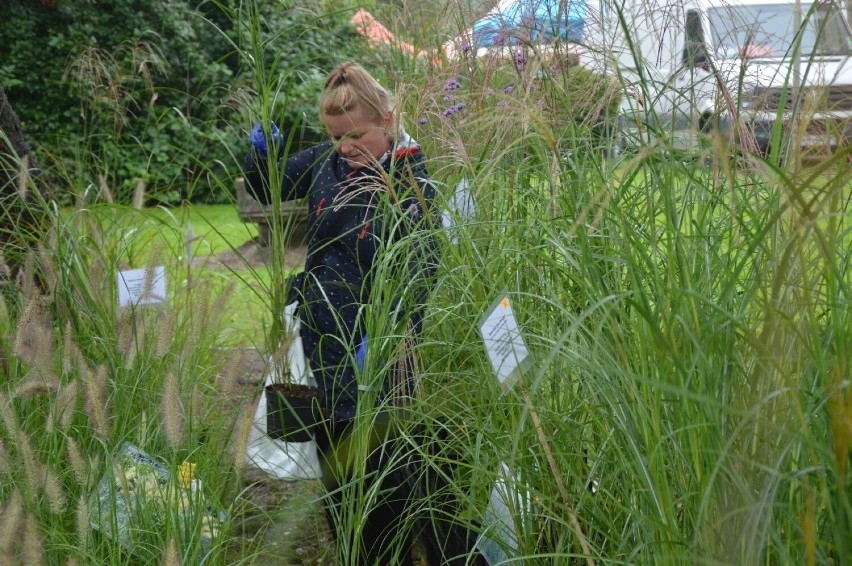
{"x":361,"y":354}
{"x":257,"y":137}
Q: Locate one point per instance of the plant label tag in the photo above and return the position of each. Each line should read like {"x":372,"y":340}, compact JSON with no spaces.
{"x":503,"y":342}
{"x":141,"y":286}
{"x":508,"y":513}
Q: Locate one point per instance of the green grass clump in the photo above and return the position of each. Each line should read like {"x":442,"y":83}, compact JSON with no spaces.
{"x":688,"y":318}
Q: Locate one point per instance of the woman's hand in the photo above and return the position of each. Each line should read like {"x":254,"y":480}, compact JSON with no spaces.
{"x":258,"y":139}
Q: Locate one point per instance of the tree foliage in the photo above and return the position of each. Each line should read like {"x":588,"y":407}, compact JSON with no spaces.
{"x":155,"y":91}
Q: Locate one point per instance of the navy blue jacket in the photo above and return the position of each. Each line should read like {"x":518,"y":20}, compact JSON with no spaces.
{"x":352,"y":216}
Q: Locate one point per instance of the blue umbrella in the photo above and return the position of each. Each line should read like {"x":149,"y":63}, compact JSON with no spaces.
{"x":530,"y":21}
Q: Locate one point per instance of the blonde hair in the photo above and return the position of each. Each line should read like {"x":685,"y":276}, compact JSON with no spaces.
{"x":350,"y":85}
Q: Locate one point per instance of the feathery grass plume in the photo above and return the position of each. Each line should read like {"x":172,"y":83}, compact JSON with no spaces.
{"x":4,"y":459}
{"x":10,"y":523}
{"x":27,"y":280}
{"x":217,"y":308}
{"x":33,"y":553}
{"x":172,"y":410}
{"x":171,"y":556}
{"x":33,"y":470}
{"x":31,"y":313}
{"x":165,"y":332}
{"x":197,"y":320}
{"x":77,"y":461}
{"x":68,"y":349}
{"x":82,"y":521}
{"x":96,"y":400}
{"x":196,"y":406}
{"x":226,"y":376}
{"x":56,"y":499}
{"x":65,"y":405}
{"x":47,"y":264}
{"x":240,"y":438}
{"x":36,"y":384}
{"x":127,"y":334}
{"x":139,"y":194}
{"x":7,"y":413}
{"x":41,"y":355}
{"x":155,"y":259}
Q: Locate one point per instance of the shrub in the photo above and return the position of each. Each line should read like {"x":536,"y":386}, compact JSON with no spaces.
{"x":134,"y":92}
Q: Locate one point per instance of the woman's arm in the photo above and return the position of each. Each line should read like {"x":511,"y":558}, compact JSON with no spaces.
{"x":295,"y":174}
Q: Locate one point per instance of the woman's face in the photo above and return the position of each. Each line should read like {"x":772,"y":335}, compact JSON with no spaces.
{"x":358,"y":137}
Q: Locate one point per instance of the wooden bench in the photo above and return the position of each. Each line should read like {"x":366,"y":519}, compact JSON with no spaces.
{"x":249,"y":210}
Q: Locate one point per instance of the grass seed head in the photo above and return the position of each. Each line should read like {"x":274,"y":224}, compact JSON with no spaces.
{"x":66,"y":404}
{"x":240,"y":439}
{"x":172,"y":410}
{"x":82,"y":520}
{"x":10,"y":522}
{"x":78,"y":463}
{"x":171,"y":556}
{"x":96,"y":401}
{"x":165,"y":332}
{"x":7,"y":413}
{"x":33,"y":554}
{"x":4,"y":459}
{"x":53,"y":489}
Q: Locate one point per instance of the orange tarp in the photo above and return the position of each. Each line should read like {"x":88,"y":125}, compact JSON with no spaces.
{"x":377,"y":34}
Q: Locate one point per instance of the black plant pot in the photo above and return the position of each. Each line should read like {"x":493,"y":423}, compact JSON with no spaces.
{"x":293,"y":411}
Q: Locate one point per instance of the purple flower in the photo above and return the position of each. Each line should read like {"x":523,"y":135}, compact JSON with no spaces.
{"x":452,"y":109}
{"x":520,"y":60}
{"x":452,"y":85}
{"x":508,"y":90}
{"x":465,"y":48}
{"x":422,"y":120}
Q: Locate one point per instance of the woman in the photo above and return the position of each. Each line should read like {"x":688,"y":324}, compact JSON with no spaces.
{"x":366,"y":188}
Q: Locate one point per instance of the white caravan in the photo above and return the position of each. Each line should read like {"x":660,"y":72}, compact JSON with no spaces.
{"x":739,"y":67}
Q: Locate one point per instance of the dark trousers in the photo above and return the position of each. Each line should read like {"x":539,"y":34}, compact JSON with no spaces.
{"x":377,"y":493}
{"x":415,"y":500}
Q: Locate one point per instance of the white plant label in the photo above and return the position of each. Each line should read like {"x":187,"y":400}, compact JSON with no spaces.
{"x":141,"y":286}
{"x":503,"y":342}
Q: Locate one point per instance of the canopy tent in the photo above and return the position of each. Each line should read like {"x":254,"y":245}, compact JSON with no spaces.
{"x":526,"y":21}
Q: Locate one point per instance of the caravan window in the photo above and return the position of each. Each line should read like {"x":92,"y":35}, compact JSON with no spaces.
{"x":768,"y":30}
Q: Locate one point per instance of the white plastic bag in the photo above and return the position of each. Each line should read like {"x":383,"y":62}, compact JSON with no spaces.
{"x":284,"y":460}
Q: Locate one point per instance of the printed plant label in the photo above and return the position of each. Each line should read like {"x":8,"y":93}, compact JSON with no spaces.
{"x":141,"y":286}
{"x":503,"y":342}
